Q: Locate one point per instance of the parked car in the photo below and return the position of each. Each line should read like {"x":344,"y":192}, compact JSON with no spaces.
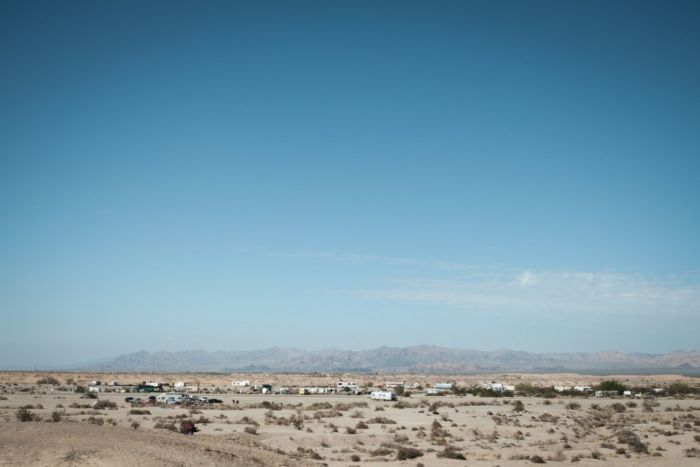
{"x":128,"y":399}
{"x":215,"y":401}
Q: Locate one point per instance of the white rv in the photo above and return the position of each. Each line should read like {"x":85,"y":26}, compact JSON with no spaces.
{"x":383,"y":396}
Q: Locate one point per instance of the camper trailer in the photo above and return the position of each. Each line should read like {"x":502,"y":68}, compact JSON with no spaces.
{"x":383,"y":396}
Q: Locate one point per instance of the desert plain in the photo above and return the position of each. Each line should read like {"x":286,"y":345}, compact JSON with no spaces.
{"x":52,"y":425}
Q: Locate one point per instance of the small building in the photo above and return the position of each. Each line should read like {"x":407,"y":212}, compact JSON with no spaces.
{"x":443,"y":386}
{"x":583,"y":389}
{"x":346,"y":385}
{"x":493,"y":386}
{"x":395,"y":384}
{"x":241,"y":383}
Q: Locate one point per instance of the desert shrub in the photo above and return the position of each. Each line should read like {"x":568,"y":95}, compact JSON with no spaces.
{"x":573,"y":406}
{"x":404,"y":405}
{"x":355,"y":458}
{"x":357,"y":414}
{"x":203,"y":420}
{"x":361,"y":425}
{"x":351,"y":405}
{"x":632,"y":440}
{"x":611,"y":385}
{"x":139,"y":412}
{"x":548,"y":418}
{"x":404,"y":452}
{"x":247,"y":421}
{"x":676,"y":389}
{"x":381,"y":451}
{"x":518,"y":406}
{"x":319,"y":414}
{"x":25,"y":415}
{"x":90,"y":395}
{"x":631,"y":404}
{"x":48,"y":380}
{"x":350,"y":430}
{"x":382,"y":420}
{"x":251,"y":429}
{"x":75,"y":405}
{"x":96,"y":420}
{"x":103,"y":404}
{"x":57,"y":415}
{"x":537,"y":460}
{"x":165,"y":426}
{"x":557,"y":457}
{"x":692,"y":452}
{"x":187,"y":427}
{"x":320,"y":406}
{"x":618,"y":407}
{"x":451,"y":452}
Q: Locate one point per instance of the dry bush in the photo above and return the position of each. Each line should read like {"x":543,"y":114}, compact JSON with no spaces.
{"x":618,"y":407}
{"x":361,"y":425}
{"x":165,"y":426}
{"x":319,"y":406}
{"x":351,"y":405}
{"x":49,"y":380}
{"x":251,"y":429}
{"x":57,"y":415}
{"x":187,"y":427}
{"x":381,"y":451}
{"x":548,"y":418}
{"x":139,"y":412}
{"x":247,"y":421}
{"x":382,"y":420}
{"x":451,"y":452}
{"x":103,"y":404}
{"x":557,"y":457}
{"x":350,"y":430}
{"x":404,"y":452}
{"x":632,"y":440}
{"x":327,"y":414}
{"x":25,"y":415}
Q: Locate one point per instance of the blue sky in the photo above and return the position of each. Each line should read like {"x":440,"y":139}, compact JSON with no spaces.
{"x":223,"y":175}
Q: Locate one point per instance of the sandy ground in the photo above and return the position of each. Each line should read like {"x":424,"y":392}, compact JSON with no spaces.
{"x":485,"y":431}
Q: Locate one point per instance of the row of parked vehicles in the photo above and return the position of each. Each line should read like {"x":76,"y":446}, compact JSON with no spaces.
{"x":173,"y":398}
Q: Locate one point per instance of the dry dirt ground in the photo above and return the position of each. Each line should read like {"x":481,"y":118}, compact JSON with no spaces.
{"x":294,"y":430}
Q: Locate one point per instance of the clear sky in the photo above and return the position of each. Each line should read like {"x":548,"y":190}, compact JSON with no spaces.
{"x":350,"y":174}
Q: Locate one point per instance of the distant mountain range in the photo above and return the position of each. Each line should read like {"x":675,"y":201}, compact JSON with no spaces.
{"x":418,"y":359}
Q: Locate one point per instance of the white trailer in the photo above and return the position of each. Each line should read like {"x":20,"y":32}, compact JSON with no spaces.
{"x":383,"y":396}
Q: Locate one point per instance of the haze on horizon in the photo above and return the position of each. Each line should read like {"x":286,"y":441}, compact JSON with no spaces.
{"x":230,"y":176}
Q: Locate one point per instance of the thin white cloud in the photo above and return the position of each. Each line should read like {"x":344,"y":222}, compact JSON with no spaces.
{"x":500,"y":289}
{"x":576,"y":292}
